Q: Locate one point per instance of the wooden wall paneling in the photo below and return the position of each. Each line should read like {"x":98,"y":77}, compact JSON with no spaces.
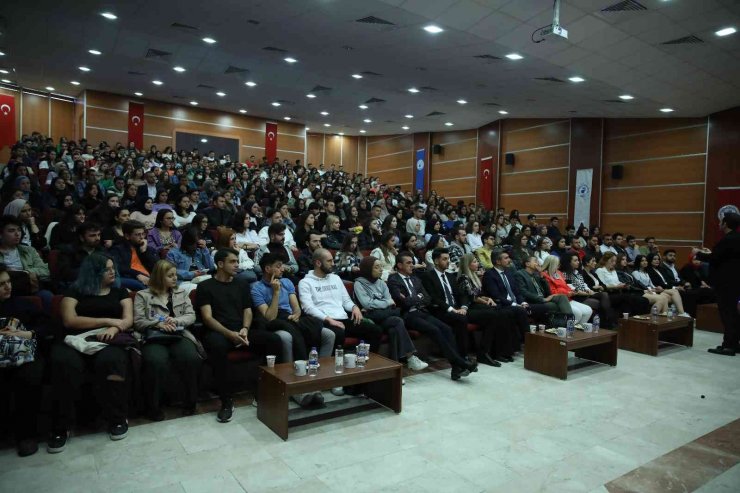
{"x":627,"y":126}
{"x":586,"y":143}
{"x":453,"y":173}
{"x":488,"y":145}
{"x":384,"y":145}
{"x":35,"y":113}
{"x":691,"y":140}
{"x":536,"y":203}
{"x":447,"y":138}
{"x":660,"y":199}
{"x":401,"y":177}
{"x":454,"y":152}
{"x":526,"y":182}
{"x":315,"y":149}
{"x":723,"y":166}
{"x":404,"y":159}
{"x":115,"y":120}
{"x":62,"y":119}
{"x":349,"y":153}
{"x":457,"y":169}
{"x":543,"y":135}
{"x":551,"y":157}
{"x":688,"y":169}
{"x":289,"y":143}
{"x":95,"y":136}
{"x":333,"y":150}
{"x":361,"y":154}
{"x":455,"y":189}
{"x":664,"y":226}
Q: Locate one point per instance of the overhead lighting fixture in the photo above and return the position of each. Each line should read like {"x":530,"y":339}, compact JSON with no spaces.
{"x":448,"y":124}
{"x":250,"y":83}
{"x":405,"y":127}
{"x":341,"y":134}
{"x":325,"y":113}
{"x":363,"y":106}
{"x":310,"y":96}
{"x":138,"y":94}
{"x":220,"y":94}
{"x":409,"y":116}
{"x":461,"y":101}
{"x":666,"y":110}
{"x":74,"y":83}
{"x":626,"y":97}
{"x":327,"y":124}
{"x":576,"y":79}
{"x":290,"y":59}
{"x":433,"y":29}
{"x":286,"y":118}
{"x":503,"y":112}
{"x":84,"y":69}
{"x":242,"y":111}
{"x":179,"y":69}
{"x":94,"y":52}
{"x":307,"y":129}
{"x":275,"y":104}
{"x":157,"y":82}
{"x":194,"y":103}
{"x":514,"y":56}
{"x":110,"y":16}
{"x":413,"y":90}
{"x":367,"y":120}
{"x":726,"y":31}
{"x":204,"y":140}
{"x":6,"y":81}
{"x":3,"y":71}
{"x":210,"y":41}
{"x":363,"y":131}
{"x":2,"y":53}
{"x":357,"y":76}
{"x":49,"y":88}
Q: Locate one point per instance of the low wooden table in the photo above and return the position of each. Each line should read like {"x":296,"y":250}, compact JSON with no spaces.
{"x":548,"y":354}
{"x":642,"y":336}
{"x":382,"y":378}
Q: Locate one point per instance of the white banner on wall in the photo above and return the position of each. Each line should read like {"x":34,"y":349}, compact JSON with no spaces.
{"x":582,"y":210}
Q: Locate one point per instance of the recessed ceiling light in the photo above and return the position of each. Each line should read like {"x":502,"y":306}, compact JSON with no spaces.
{"x":405,"y":127}
{"x":210,"y":41}
{"x":409,"y":116}
{"x":49,"y":88}
{"x":286,"y":118}
{"x":311,"y":96}
{"x":433,"y":29}
{"x":220,"y":94}
{"x":503,"y":112}
{"x":448,"y":124}
{"x":157,"y":82}
{"x":178,"y":69}
{"x":363,"y":131}
{"x":204,"y":140}
{"x":327,"y":124}
{"x":666,"y":110}
{"x":2,"y":53}
{"x":6,"y":81}
{"x":363,"y":106}
{"x":367,"y":120}
{"x":194,"y":103}
{"x":514,"y":56}
{"x":275,"y":104}
{"x":325,"y":113}
{"x":576,"y":79}
{"x":3,"y":71}
{"x":290,"y":59}
{"x":726,"y":31}
{"x":242,"y":111}
{"x":626,"y":97}
{"x":341,"y":133}
{"x":74,"y":83}
{"x":461,"y":101}
{"x":250,"y":83}
{"x":109,"y":15}
{"x":357,"y":76}
{"x":94,"y":52}
{"x":84,"y":69}
{"x":413,"y":90}
{"x":307,"y":129}
{"x":138,"y":94}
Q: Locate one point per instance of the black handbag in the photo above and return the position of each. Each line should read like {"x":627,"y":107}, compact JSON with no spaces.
{"x":161,"y":337}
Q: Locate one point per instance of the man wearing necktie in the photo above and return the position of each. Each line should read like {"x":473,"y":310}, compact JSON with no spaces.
{"x":500,"y":285}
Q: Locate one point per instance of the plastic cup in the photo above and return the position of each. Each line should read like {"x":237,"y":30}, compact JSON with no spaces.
{"x":625,"y":315}
{"x":532,"y":329}
{"x":270,"y":360}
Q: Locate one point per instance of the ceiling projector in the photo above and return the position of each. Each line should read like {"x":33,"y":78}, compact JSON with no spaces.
{"x":554,"y":29}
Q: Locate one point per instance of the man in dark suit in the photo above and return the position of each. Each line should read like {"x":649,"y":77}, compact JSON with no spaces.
{"x":536,"y":292}
{"x":410,"y":296}
{"x":218,"y":214}
{"x":499,"y":284}
{"x":448,"y":303}
{"x":148,"y":189}
{"x":724,"y":276}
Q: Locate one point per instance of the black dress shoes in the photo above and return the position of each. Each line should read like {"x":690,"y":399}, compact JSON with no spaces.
{"x":487,"y":360}
{"x":724,"y":351}
{"x":458,"y":373}
{"x":505,"y":359}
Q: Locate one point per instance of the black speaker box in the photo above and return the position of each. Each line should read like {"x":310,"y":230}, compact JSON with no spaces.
{"x":509,"y":156}
{"x":437,"y":149}
{"x":617,"y":172}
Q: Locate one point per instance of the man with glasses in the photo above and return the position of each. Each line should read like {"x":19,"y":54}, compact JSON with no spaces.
{"x":133,"y":259}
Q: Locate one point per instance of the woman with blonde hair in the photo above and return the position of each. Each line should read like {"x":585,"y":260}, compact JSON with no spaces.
{"x":334,"y":235}
{"x":556,"y":281}
{"x":162,"y":313}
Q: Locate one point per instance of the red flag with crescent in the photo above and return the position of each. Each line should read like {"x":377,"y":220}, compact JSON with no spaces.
{"x":7,"y":121}
{"x":271,"y":142}
{"x":485,"y":182}
{"x":136,"y":124}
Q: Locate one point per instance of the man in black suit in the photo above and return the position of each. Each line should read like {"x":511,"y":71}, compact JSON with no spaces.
{"x":148,"y":189}
{"x":410,"y":296}
{"x":536,"y":292}
{"x":499,"y":284}
{"x":724,"y":276}
{"x":218,"y":214}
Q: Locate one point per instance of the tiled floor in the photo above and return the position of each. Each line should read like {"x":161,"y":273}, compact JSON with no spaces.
{"x":502,"y":429}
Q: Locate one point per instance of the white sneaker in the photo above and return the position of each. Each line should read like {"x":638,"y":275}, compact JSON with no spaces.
{"x":684,"y":314}
{"x":337,"y":391}
{"x":403,"y":381}
{"x":415,"y":364}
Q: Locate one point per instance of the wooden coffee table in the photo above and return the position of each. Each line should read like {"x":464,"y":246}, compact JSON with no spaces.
{"x":548,"y":354}
{"x":382,"y":378}
{"x":642,"y":336}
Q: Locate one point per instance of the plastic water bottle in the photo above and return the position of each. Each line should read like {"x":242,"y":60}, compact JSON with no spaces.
{"x":654,"y":314}
{"x":596,"y":324}
{"x":313,"y":362}
{"x":361,"y":355}
{"x":671,"y":311}
{"x":570,"y":327}
{"x":339,"y":360}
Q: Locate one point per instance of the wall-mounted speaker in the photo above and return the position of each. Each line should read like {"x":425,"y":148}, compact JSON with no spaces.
{"x":509,"y":158}
{"x":617,"y":172}
{"x":437,"y":149}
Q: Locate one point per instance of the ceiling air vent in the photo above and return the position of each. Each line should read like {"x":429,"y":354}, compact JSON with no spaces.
{"x":390,"y":121}
{"x":371,"y":19}
{"x":625,"y":6}
{"x":274,"y":49}
{"x":435,"y":113}
{"x":491,"y":104}
{"x":374,"y":100}
{"x":613,"y":101}
{"x":686,"y":40}
{"x":320,"y":88}
{"x":160,"y":54}
{"x":253,"y":21}
{"x":205,"y":86}
{"x":178,"y":97}
{"x":368,"y":73}
{"x":549,"y":79}
{"x":186,"y":27}
{"x":134,"y":72}
{"x":428,"y":88}
{"x":235,"y":70}
{"x":487,"y":57}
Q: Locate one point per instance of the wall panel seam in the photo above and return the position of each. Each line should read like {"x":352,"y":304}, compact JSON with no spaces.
{"x":652,"y":132}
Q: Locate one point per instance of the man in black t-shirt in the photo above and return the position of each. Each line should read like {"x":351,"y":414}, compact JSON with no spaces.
{"x":225,"y":306}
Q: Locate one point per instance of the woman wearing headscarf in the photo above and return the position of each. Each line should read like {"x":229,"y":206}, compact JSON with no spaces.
{"x":31,"y":234}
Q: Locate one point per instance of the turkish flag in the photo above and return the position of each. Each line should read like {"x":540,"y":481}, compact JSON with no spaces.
{"x":7,"y":121}
{"x":136,"y":124}
{"x":271,"y":142}
{"x":485,"y":182}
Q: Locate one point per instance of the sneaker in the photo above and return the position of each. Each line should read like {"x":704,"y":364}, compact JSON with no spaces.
{"x":338,"y":391}
{"x":27,"y":447}
{"x":415,"y":364}
{"x":684,"y":314}
{"x":226,"y":412}
{"x":118,"y":431}
{"x":317,"y":398}
{"x":57,"y":442}
{"x":403,"y":381}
